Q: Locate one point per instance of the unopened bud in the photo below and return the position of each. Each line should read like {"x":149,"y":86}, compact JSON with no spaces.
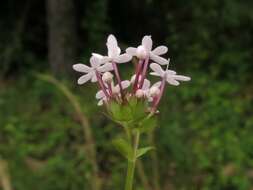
{"x":139,"y":93}
{"x":107,"y":77}
{"x":154,"y":91}
{"x":141,"y":52}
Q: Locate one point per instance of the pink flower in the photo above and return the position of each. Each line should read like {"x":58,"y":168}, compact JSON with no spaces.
{"x":170,"y":76}
{"x":90,"y":72}
{"x":145,"y":51}
{"x":114,"y":52}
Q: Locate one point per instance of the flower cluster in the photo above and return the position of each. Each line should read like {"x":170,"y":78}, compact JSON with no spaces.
{"x":103,"y":68}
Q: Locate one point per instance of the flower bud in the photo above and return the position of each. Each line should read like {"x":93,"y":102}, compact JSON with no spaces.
{"x":139,"y":93}
{"x":141,"y":52}
{"x":107,"y":77}
{"x":154,"y":91}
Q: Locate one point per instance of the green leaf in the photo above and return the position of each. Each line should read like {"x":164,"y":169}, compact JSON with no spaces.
{"x":120,"y":112}
{"x":138,"y":109}
{"x":147,"y":124}
{"x":142,"y":151}
{"x":124,"y":148}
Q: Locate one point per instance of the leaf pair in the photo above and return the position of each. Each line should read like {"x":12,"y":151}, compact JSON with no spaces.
{"x":126,"y":150}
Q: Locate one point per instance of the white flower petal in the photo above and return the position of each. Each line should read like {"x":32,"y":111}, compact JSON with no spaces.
{"x":83,"y":79}
{"x":150,"y":99}
{"x":95,"y":61}
{"x":100,"y":102}
{"x":125,"y":84}
{"x":98,"y":56}
{"x":132,"y":79}
{"x":158,"y":59}
{"x":116,"y":89}
{"x":106,"y":59}
{"x":171,"y":72}
{"x":100,"y":94}
{"x":157,"y":69}
{"x":160,"y":50}
{"x":123,"y":58}
{"x":172,"y":81}
{"x":105,"y":68}
{"x":154,"y":74}
{"x":181,"y":78}
{"x":112,"y":46}
{"x":131,"y":51}
{"x":157,"y":84}
{"x":147,"y":42}
{"x":94,"y":78}
{"x":146,"y":84}
{"x":81,"y":68}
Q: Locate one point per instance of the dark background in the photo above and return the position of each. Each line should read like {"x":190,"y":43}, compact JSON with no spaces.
{"x":204,"y":140}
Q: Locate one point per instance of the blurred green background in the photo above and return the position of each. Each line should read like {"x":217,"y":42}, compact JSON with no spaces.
{"x":205,"y":135}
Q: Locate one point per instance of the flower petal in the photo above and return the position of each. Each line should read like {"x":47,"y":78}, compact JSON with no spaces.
{"x":106,"y":59}
{"x":125,"y":84}
{"x":97,"y":55}
{"x":100,"y":94}
{"x":105,"y":68}
{"x":171,"y":72}
{"x":147,"y":42}
{"x":123,"y":58}
{"x":83,"y":79}
{"x":157,"y":69}
{"x":146,"y":84}
{"x":158,"y":59}
{"x":133,"y":78}
{"x":81,"y":68}
{"x":160,"y":50}
{"x":154,"y":74}
{"x":172,"y":81}
{"x":157,"y":84}
{"x":100,"y":102}
{"x":181,"y":78}
{"x":95,"y":61}
{"x":94,"y":78}
{"x":131,"y":51}
{"x":112,"y":46}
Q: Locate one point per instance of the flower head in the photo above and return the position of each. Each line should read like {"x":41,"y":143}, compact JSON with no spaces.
{"x":145,"y":51}
{"x":142,"y":89}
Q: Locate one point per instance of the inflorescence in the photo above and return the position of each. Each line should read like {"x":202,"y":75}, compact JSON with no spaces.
{"x":103,"y":68}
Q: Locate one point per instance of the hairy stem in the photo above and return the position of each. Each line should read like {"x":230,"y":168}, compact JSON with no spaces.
{"x":132,"y":163}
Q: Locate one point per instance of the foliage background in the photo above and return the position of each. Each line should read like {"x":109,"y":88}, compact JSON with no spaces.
{"x":204,"y":140}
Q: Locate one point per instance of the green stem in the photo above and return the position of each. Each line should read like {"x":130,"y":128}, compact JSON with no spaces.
{"x":131,"y":163}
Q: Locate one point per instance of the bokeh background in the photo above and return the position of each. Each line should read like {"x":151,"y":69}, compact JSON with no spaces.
{"x":54,"y":137}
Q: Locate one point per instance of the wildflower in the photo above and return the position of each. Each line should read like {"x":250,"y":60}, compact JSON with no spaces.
{"x":170,"y":76}
{"x":90,"y":72}
{"x":114,"y":57}
{"x":134,"y":109}
{"x":144,"y":51}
